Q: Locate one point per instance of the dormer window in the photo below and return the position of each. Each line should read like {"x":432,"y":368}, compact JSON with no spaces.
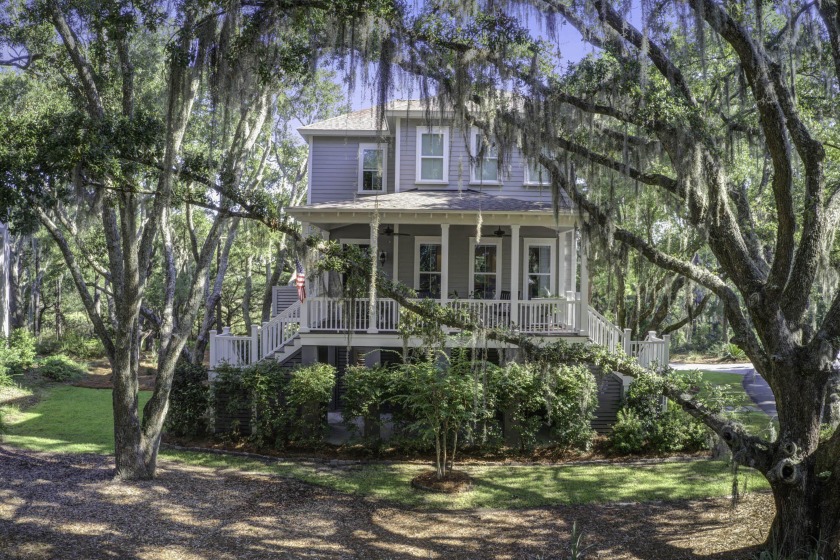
{"x":371,"y":168}
{"x":486,"y":169}
{"x":536,"y":174}
{"x":432,"y":155}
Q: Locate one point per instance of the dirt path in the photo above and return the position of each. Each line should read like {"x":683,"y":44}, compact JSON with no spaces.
{"x":65,"y":506}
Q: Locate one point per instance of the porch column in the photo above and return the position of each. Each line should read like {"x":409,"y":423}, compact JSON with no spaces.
{"x":562,"y":265}
{"x":444,"y":266}
{"x":395,"y":253}
{"x":304,"y":305}
{"x":584,"y":287}
{"x":514,"y":274}
{"x":374,"y":253}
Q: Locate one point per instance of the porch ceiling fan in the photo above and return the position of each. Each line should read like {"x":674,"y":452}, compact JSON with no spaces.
{"x":389,"y":232}
{"x":499,"y":232}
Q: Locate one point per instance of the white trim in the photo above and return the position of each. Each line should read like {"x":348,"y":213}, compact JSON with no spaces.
{"x":474,"y":133}
{"x":395,"y":257}
{"x":424,"y":240}
{"x":471,"y":264}
{"x":551,"y":243}
{"x":309,"y":171}
{"x":527,"y":179}
{"x":421,"y":130}
{"x":382,"y":149}
{"x":397,"y":149}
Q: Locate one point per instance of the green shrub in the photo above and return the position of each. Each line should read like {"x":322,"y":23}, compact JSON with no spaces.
{"x":442,"y":402}
{"x":17,"y":354}
{"x":628,"y":434}
{"x":517,"y":394}
{"x":729,"y":351}
{"x":284,"y":404}
{"x":76,"y":343}
{"x":366,"y":391}
{"x":666,"y":427}
{"x":189,"y":401}
{"x":60,"y":368}
{"x":571,"y":399}
{"x":307,"y":396}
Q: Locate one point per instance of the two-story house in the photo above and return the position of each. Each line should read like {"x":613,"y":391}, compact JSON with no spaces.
{"x":409,"y":192}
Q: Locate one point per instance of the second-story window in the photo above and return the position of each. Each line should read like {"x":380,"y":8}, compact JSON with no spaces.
{"x":486,"y":169}
{"x":536,"y":174}
{"x":371,"y":168}
{"x":432,"y":155}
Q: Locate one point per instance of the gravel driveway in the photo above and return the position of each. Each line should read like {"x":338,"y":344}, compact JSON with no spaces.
{"x":66,"y":507}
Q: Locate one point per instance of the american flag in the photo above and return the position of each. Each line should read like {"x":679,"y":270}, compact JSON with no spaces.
{"x":300,"y":280}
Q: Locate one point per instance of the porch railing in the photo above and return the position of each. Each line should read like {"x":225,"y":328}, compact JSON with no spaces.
{"x":602,"y":331}
{"x":650,"y":351}
{"x":276,"y":333}
{"x":232,"y":350}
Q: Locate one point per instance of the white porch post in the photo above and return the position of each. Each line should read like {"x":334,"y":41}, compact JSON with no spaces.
{"x":374,"y":253}
{"x":444,"y":266}
{"x":395,"y":256}
{"x":584,"y":287}
{"x":514,"y":273}
{"x":563,"y":266}
{"x":304,"y":305}
{"x":213,"y":334}
{"x":254,"y":356}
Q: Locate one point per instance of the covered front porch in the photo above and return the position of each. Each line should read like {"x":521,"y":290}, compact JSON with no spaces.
{"x":509,"y":263}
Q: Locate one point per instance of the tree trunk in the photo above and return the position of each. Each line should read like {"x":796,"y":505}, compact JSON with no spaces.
{"x":273,"y":279}
{"x":59,"y":317}
{"x":246,"y":297}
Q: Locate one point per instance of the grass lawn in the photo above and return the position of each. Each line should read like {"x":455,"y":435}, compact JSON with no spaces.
{"x":756,"y":421}
{"x":73,"y":419}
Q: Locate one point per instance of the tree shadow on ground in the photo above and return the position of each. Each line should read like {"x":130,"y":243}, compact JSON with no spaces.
{"x":66,"y":506}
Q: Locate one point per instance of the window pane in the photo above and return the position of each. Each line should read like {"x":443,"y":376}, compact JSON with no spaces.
{"x":539,"y":259}
{"x":430,"y":283}
{"x":539,"y":285}
{"x":537,"y":173}
{"x":430,"y":257}
{"x":372,"y":159}
{"x":485,"y":258}
{"x":371,"y":181}
{"x":488,"y":171}
{"x":431,"y":169}
{"x":485,"y":286}
{"x":432,"y":145}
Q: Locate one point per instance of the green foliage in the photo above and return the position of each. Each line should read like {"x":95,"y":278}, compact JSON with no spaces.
{"x":17,"y":354}
{"x":729,"y":351}
{"x":518,"y":394}
{"x":189,"y":401}
{"x":628,"y":434}
{"x":75,"y":342}
{"x":662,"y":426}
{"x":366,"y":390}
{"x":440,"y":399}
{"x":287,"y":407}
{"x":60,"y":368}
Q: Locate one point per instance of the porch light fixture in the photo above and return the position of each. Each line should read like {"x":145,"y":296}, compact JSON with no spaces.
{"x":383,"y":256}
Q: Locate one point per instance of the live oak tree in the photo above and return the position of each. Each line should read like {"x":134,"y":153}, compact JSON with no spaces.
{"x":122,"y":115}
{"x":728,"y":112}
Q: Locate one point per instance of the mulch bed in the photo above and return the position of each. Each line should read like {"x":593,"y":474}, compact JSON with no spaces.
{"x":453,"y":482}
{"x":67,"y":506}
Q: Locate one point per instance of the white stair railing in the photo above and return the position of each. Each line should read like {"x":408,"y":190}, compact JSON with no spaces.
{"x":281,"y":329}
{"x":602,"y":331}
{"x":232,"y":350}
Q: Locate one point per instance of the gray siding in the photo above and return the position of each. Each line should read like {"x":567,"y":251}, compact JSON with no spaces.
{"x":335,"y":167}
{"x":459,"y":271}
{"x":513,"y":176}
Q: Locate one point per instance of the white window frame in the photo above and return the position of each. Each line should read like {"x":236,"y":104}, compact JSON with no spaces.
{"x":551,"y":243}
{"x":484,"y":241}
{"x":474,"y":166}
{"x":383,"y":149}
{"x":426,"y":240}
{"x":421,"y":130}
{"x":535,"y":181}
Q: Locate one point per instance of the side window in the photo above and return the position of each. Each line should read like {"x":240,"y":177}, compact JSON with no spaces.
{"x":371,"y":168}
{"x":432,"y":155}
{"x":536,"y":174}
{"x":486,"y":168}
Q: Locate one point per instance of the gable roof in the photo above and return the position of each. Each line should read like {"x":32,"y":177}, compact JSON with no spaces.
{"x":362,"y":122}
{"x":466,"y":200}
